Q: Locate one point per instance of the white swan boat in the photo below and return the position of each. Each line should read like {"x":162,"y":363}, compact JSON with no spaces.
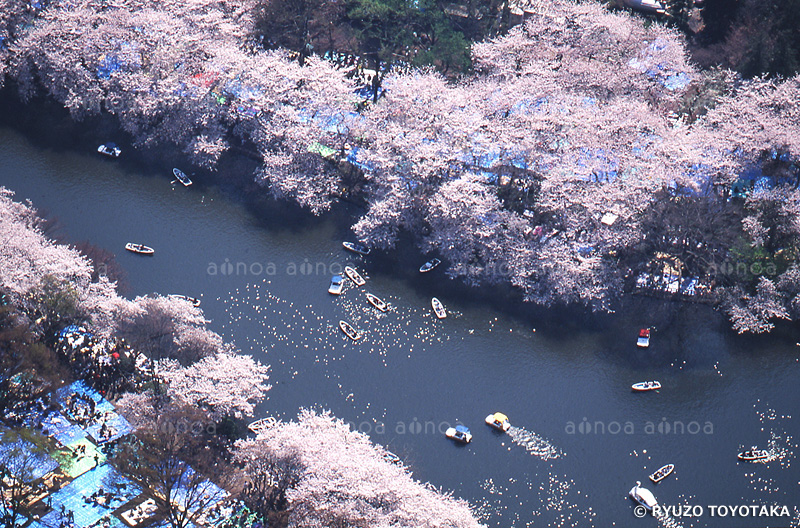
{"x":643,"y":496}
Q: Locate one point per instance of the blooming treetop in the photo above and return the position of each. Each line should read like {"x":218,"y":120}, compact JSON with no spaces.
{"x":346,"y":480}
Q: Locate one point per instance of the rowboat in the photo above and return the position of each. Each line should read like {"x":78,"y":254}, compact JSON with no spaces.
{"x":349,"y":331}
{"x":109,"y":149}
{"x":644,"y":338}
{"x":646,"y":386}
{"x":438,"y":308}
{"x":753,"y":454}
{"x":356,"y":248}
{"x":391,"y":457}
{"x":139,"y":248}
{"x":262,"y":424}
{"x":353,"y":275}
{"x":195,"y":302}
{"x":662,"y":473}
{"x":499,"y":421}
{"x":378,"y":303}
{"x":182,"y":177}
{"x":459,"y":433}
{"x":428,"y":266}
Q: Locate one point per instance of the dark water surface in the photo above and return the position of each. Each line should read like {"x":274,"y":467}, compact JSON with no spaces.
{"x":580,"y":439}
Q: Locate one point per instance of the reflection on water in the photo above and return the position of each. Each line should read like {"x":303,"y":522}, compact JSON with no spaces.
{"x":561,"y":496}
{"x":556,"y":495}
{"x":288,"y":323}
{"x":779,"y":446}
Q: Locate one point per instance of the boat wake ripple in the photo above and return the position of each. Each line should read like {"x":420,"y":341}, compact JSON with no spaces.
{"x":667,"y":521}
{"x":780,"y":445}
{"x":535,"y":444}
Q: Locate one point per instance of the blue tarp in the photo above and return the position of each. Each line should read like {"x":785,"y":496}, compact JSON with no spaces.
{"x":247,"y":111}
{"x":527,"y":105}
{"x":677,"y":81}
{"x":126,"y":56}
{"x":115,"y":426}
{"x":57,"y":426}
{"x":72,"y":330}
{"x":367,"y":92}
{"x":75,"y":497}
{"x":604,"y":166}
{"x":104,"y":410}
{"x":762,"y":184}
{"x":81,"y":388}
{"x":356,"y":158}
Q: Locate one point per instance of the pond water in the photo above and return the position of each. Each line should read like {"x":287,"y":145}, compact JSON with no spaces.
{"x":580,"y":437}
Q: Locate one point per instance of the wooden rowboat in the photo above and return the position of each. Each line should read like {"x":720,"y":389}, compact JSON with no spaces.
{"x":195,"y":302}
{"x":662,"y":473}
{"x":378,"y":303}
{"x":353,"y":275}
{"x":646,"y":386}
{"x":139,"y":248}
{"x":349,"y":331}
{"x":438,"y":308}
{"x":182,"y":177}
{"x":356,"y":248}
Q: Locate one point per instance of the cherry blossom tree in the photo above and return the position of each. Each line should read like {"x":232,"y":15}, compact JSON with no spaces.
{"x":754,"y":312}
{"x":13,"y":15}
{"x":26,"y":256}
{"x":269,"y":477}
{"x":575,"y":116}
{"x":346,"y":481}
{"x":167,"y":327}
{"x":172,"y":460}
{"x":226,"y":384}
